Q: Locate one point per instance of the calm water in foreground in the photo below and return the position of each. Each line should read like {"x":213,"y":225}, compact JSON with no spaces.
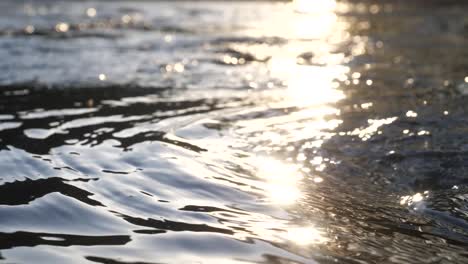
{"x":233,"y":132}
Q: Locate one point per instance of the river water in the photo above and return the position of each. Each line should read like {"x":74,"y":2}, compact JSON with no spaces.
{"x":233,"y":132}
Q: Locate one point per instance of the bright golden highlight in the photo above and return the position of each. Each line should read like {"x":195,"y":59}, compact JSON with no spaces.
{"x":281,"y":180}
{"x":310,"y":6}
{"x":304,"y":236}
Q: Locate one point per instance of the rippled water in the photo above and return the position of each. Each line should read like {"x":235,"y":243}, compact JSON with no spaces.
{"x":233,"y":132}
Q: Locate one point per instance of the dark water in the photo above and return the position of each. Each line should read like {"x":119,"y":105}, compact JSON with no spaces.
{"x":233,"y":132}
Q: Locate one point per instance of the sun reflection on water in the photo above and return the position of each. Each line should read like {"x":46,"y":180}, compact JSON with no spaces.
{"x":281,"y":180}
{"x":309,"y":85}
{"x":303,"y":236}
{"x":310,"y":67}
{"x":313,"y":19}
{"x":309,"y":6}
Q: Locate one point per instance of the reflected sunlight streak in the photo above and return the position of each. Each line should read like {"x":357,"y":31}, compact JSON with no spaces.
{"x":281,"y":180}
{"x":309,"y":6}
{"x":304,"y":236}
{"x":309,"y":66}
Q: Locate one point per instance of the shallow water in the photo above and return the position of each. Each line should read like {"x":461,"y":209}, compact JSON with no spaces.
{"x":233,"y":132}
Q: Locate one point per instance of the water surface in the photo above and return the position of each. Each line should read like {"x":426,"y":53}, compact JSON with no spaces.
{"x":233,"y":132}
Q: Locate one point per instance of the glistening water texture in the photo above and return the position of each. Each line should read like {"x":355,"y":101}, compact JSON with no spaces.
{"x":233,"y":132}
